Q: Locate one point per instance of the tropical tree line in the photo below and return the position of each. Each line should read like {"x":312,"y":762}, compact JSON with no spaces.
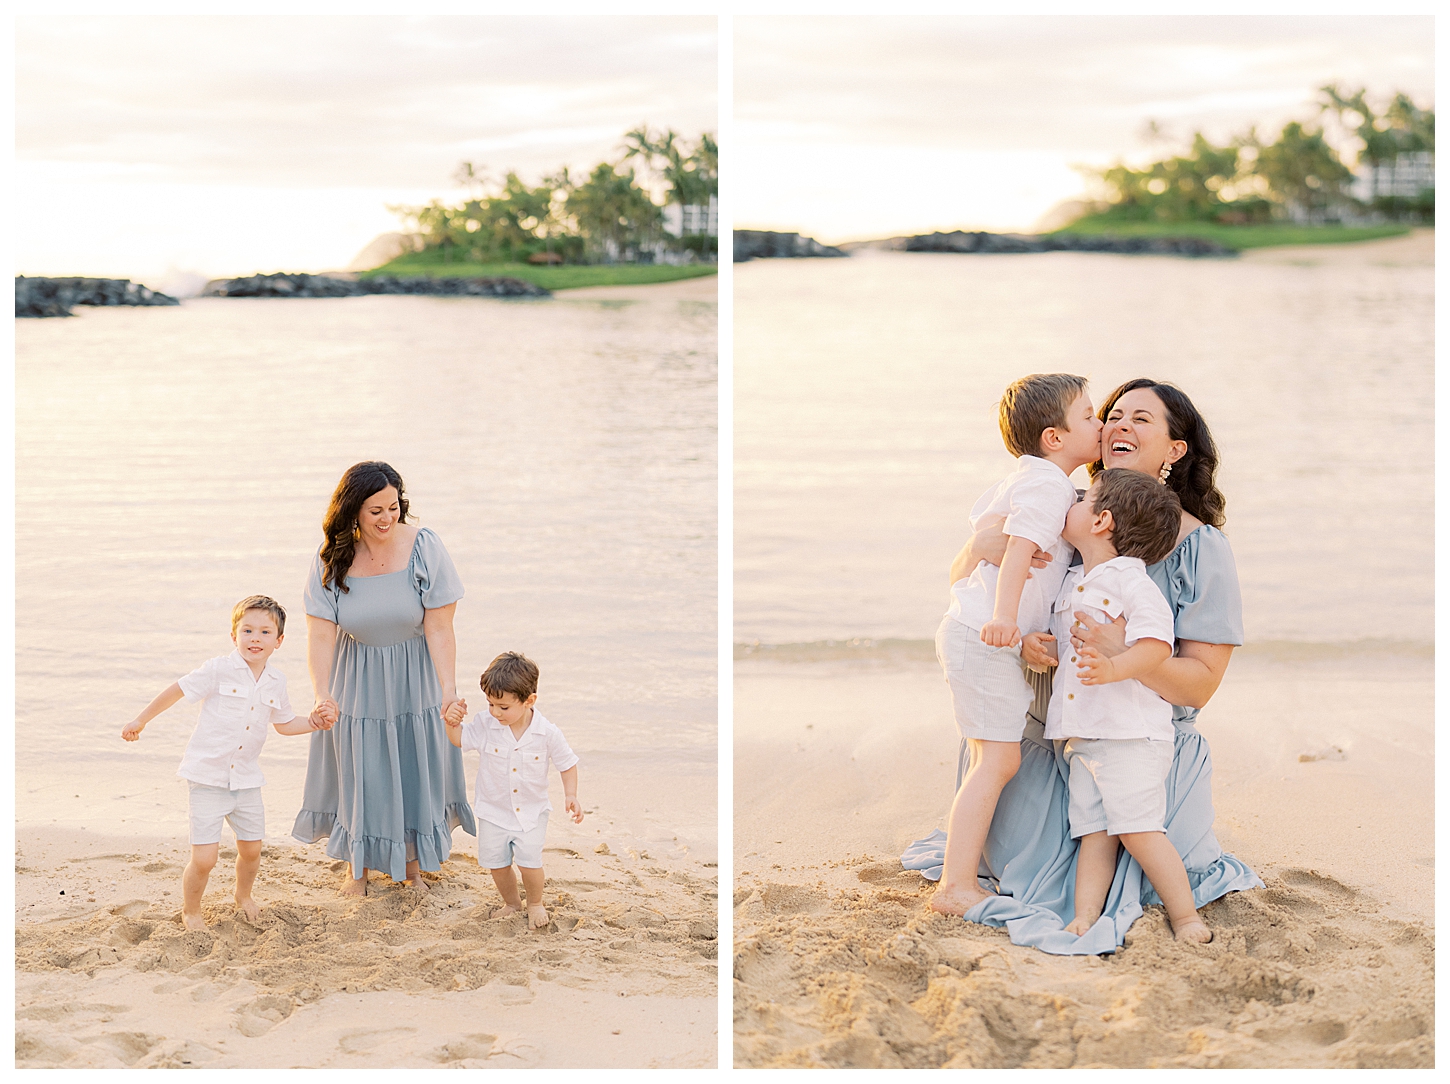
{"x":610,"y":214}
{"x":1300,"y":175}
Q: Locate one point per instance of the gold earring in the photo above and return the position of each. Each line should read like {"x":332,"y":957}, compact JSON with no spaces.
{"x":1164,"y":471}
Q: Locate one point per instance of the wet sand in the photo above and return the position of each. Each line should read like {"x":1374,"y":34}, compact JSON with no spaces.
{"x":1323,"y":783}
{"x":702,"y":288}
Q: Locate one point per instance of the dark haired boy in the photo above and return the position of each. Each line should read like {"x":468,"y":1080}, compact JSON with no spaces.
{"x":1047,"y":421}
{"x":516,"y":745}
{"x":243,"y":694}
{"x":1119,"y":732}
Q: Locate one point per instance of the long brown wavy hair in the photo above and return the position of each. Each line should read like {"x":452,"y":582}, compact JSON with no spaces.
{"x":359,"y":482}
{"x":1192,"y":477}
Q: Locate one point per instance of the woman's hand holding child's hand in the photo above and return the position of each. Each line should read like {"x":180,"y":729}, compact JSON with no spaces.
{"x":453,"y":716}
{"x":324,"y":715}
{"x":1039,"y":651}
{"x":1000,"y":632}
{"x":132,"y":730}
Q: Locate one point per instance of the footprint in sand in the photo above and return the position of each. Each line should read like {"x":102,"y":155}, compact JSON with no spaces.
{"x":262,"y":1014}
{"x":363,"y":1040}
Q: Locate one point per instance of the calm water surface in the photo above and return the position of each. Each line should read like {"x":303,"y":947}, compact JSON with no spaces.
{"x":172,"y":461}
{"x":865,"y":427}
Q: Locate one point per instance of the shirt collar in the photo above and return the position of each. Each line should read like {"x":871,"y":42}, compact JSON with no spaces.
{"x":536,"y":724}
{"x":1119,"y":563}
{"x":237,"y":662}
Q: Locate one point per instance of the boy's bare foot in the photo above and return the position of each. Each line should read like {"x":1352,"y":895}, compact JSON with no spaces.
{"x":1193,"y":929}
{"x":957,"y":900}
{"x":538,"y":917}
{"x":355,"y":888}
{"x":1081,"y":924}
{"x":250,"y":907}
{"x":193,"y":922}
{"x":506,"y":910}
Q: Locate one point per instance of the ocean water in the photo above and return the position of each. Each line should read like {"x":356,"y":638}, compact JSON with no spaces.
{"x":865,"y":428}
{"x":173,"y":460}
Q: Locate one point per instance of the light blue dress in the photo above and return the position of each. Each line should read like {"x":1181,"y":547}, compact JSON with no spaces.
{"x":1030,"y":855}
{"x":384,"y":785}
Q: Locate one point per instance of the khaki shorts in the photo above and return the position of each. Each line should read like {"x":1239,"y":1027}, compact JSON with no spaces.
{"x":990,"y":694}
{"x":1116,"y":785}
{"x":209,"y":806}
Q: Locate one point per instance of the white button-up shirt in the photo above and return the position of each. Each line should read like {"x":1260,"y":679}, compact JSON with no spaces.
{"x":1033,"y":502}
{"x":512,"y":787}
{"x":236,"y":713}
{"x":1120,"y":709}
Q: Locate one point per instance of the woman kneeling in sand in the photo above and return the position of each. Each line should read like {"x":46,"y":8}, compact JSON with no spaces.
{"x":1029,"y":854}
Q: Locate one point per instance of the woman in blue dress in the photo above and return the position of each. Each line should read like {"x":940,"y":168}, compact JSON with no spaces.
{"x":384,"y":786}
{"x":1030,"y":858}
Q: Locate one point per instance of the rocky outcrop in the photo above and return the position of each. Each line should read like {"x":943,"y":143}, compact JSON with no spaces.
{"x":987,"y":243}
{"x":37,"y":297}
{"x":284,"y":285}
{"x":764,"y":244}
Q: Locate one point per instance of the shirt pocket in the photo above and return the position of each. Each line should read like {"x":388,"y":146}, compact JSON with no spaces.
{"x":534,"y":763}
{"x":232,"y":700}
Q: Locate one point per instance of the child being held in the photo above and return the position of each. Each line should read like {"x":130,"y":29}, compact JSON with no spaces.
{"x":242,"y":694}
{"x":1047,"y":421}
{"x":1119,"y":732}
{"x":516,"y":744}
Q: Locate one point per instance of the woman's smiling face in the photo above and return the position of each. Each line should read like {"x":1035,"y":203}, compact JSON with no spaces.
{"x":377,"y":515}
{"x":1135,"y":434}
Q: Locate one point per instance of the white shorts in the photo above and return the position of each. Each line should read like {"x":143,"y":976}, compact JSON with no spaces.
{"x":499,"y":848}
{"x":210,"y":806}
{"x":1116,"y":785}
{"x":990,"y":694}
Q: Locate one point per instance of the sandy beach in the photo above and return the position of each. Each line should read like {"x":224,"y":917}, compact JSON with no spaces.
{"x":839,"y":764}
{"x":108,"y":978}
{"x":702,"y":288}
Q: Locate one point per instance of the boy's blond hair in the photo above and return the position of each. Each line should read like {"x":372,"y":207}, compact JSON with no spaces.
{"x":1035,"y":403}
{"x":266,"y":605}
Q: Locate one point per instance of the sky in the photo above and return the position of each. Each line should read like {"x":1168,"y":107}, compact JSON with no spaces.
{"x":848,"y":128}
{"x":170,"y":147}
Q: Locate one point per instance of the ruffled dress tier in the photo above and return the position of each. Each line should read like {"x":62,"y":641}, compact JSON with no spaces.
{"x":385,"y":786}
{"x":1030,"y":856}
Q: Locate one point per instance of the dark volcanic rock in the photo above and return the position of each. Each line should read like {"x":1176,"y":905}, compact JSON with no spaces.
{"x":35,"y":297}
{"x":284,"y":285}
{"x":989,"y":243}
{"x":763,"y":244}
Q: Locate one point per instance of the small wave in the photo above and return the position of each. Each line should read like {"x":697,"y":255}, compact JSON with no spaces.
{"x":892,"y":650}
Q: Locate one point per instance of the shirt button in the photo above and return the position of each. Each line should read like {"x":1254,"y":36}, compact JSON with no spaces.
{"x":515,"y":769}
{"x":516,"y":790}
{"x":1079,"y":588}
{"x":1106,"y":602}
{"x":1069,"y":696}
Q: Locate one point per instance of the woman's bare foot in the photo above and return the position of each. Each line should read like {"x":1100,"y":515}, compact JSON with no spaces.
{"x":957,"y":899}
{"x":1081,"y":924}
{"x":358,"y":887}
{"x":250,"y":907}
{"x":1192,"y":929}
{"x":193,"y":922}
{"x":417,"y":882}
{"x":506,"y":910}
{"x":538,"y":917}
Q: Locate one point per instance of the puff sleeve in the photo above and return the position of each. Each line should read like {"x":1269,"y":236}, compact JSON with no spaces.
{"x":434,"y":577}
{"x":1201,"y":583}
{"x":319,"y":601}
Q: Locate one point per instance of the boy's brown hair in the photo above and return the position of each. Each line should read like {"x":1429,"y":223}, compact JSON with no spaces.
{"x":263,"y":603}
{"x":1146,"y":514}
{"x":1035,"y":403}
{"x":513,"y":674}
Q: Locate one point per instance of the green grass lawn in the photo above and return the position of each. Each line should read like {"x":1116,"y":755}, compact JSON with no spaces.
{"x":1239,"y":237}
{"x":558,"y":277}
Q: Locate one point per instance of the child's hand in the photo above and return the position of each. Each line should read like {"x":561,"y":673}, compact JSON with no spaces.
{"x":572,"y":807}
{"x":132,"y":730}
{"x":1039,"y":651}
{"x":1095,"y":668}
{"x":455,"y":713}
{"x":1000,"y":632}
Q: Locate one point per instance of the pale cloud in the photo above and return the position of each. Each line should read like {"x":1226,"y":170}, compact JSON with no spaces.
{"x":123,"y":116}
{"x":1028,"y":96}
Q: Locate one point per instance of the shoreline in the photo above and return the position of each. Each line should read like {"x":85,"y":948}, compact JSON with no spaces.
{"x":840,"y":963}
